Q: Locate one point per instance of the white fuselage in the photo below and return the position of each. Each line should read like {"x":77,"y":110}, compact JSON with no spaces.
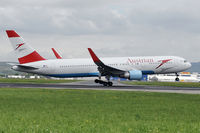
{"x":86,"y":67}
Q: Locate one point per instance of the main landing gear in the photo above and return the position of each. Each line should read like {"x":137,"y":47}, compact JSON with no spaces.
{"x":177,"y":78}
{"x":104,"y":83}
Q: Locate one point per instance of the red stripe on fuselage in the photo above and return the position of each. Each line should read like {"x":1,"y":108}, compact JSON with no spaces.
{"x":32,"y":57}
{"x":12,"y":33}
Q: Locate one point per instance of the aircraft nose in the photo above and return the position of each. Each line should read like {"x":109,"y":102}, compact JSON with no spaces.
{"x":189,"y":64}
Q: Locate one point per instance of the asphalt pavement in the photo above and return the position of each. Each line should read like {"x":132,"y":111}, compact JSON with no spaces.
{"x":117,"y":86}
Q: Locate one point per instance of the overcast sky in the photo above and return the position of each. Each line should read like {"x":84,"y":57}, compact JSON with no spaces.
{"x":112,"y":28}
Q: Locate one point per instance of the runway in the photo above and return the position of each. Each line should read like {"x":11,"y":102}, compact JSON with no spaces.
{"x":90,"y":85}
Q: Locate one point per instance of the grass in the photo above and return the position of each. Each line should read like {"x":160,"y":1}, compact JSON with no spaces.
{"x":175,"y":84}
{"x":12,"y":80}
{"x":90,"y":111}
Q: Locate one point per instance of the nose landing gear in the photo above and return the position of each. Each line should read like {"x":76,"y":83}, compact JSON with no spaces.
{"x":177,"y":77}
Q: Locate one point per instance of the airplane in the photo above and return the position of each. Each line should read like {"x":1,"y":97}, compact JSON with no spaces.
{"x":132,"y":68}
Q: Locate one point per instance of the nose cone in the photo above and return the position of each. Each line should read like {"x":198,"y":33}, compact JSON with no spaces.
{"x":189,"y":65}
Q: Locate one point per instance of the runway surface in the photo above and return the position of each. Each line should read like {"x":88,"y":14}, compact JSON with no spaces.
{"x":90,"y":85}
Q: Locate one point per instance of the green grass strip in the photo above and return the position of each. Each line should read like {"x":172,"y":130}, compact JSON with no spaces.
{"x":89,"y":111}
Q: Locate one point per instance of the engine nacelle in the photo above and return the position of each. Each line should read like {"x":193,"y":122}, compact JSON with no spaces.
{"x":133,"y":75}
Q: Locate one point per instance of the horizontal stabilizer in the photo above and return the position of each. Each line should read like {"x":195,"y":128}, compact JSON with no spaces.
{"x":11,"y":64}
{"x":27,"y":67}
{"x":23,"y":67}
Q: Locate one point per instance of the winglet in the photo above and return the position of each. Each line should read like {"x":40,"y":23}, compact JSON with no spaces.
{"x":93,"y":55}
{"x":56,"y":54}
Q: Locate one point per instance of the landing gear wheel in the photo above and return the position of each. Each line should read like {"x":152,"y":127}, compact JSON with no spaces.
{"x":96,"y":81}
{"x":110,"y":84}
{"x":105,"y":84}
{"x":177,"y":79}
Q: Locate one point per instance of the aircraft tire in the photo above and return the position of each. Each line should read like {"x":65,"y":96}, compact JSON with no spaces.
{"x":105,"y":84}
{"x":96,"y":81}
{"x":177,"y":79}
{"x":110,"y":84}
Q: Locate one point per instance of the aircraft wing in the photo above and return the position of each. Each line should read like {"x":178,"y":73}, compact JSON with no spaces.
{"x":104,"y":69}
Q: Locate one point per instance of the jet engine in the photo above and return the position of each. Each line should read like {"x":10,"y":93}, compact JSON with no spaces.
{"x":133,"y":75}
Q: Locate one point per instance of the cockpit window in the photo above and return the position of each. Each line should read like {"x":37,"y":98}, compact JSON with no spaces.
{"x":185,"y":61}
